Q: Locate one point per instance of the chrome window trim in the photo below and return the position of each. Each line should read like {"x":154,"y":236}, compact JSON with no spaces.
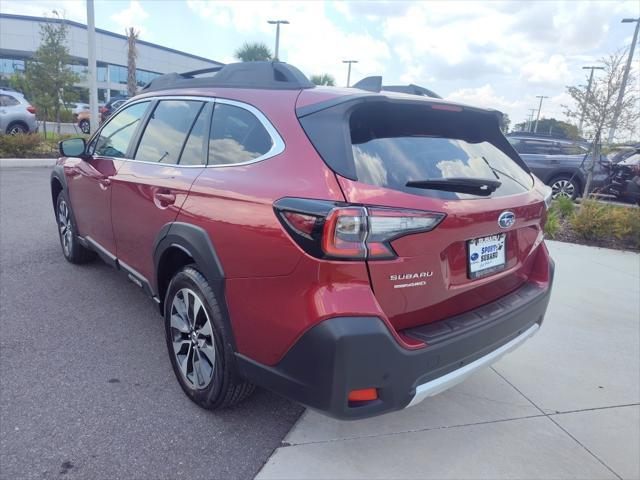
{"x":277,"y":143}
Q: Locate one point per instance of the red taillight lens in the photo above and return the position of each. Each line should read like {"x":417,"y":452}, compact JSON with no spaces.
{"x":103,"y":110}
{"x":345,"y":232}
{"x":303,"y":224}
{"x":31,"y":109}
{"x":327,"y":229}
{"x":364,"y":232}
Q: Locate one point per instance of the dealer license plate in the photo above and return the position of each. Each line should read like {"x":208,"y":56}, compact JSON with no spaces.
{"x":486,"y":255}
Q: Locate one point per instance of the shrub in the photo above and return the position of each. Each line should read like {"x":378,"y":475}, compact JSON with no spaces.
{"x":596,"y":221}
{"x":19,"y":146}
{"x":564,"y":206}
{"x":552,"y":225}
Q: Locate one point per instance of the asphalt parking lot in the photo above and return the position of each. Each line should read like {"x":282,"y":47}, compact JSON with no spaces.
{"x":86,"y":387}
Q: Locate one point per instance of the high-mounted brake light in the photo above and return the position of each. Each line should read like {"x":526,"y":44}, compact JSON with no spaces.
{"x":447,"y":108}
{"x":346,"y":232}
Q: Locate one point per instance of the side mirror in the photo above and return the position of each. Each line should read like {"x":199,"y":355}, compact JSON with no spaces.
{"x":73,"y":147}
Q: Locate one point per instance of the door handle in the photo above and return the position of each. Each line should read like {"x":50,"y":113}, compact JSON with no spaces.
{"x":166,"y":198}
{"x":105,"y":181}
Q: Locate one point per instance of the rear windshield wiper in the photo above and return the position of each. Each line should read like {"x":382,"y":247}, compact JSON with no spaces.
{"x":474,"y":186}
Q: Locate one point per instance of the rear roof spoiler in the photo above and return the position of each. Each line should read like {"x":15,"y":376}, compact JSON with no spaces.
{"x":374,"y":84}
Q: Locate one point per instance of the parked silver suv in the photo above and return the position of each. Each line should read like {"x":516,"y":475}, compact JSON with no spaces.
{"x":16,"y":114}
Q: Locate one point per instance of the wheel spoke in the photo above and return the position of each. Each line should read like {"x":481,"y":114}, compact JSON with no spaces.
{"x":209,"y":351}
{"x":205,"y":330}
{"x":185,"y":363}
{"x":197,"y":307}
{"x":178,"y":344}
{"x":179,"y":323}
{"x":197,"y":372}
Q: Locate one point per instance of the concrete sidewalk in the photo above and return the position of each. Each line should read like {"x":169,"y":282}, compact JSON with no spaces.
{"x":565,"y":405}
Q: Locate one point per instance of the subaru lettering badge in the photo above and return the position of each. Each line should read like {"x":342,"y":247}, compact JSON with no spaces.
{"x":506,"y":219}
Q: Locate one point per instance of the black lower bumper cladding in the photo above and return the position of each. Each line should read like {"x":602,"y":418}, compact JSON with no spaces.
{"x":343,"y":354}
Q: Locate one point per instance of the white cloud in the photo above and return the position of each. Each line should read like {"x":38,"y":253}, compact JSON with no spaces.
{"x":552,"y":72}
{"x":132,"y":16}
{"x":486,"y":97}
{"x":312,"y":41}
{"x":68,"y":9}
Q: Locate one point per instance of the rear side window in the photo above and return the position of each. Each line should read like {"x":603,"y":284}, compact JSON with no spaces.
{"x":536,"y":147}
{"x":237,"y":136}
{"x":572,"y":150}
{"x":194,"y":152}
{"x":167,"y":130}
{"x":8,"y":101}
{"x":114,"y":138}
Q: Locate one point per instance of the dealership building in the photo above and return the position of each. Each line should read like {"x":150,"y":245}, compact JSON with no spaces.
{"x":20,"y":38}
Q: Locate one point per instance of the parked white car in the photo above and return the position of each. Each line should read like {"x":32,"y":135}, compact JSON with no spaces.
{"x":16,"y":114}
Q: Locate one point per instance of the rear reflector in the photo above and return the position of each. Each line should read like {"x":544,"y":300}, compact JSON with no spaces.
{"x":364,"y":395}
{"x":300,"y":222}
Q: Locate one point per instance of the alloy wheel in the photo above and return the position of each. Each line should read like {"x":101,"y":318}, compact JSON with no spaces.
{"x":65,"y":227}
{"x":562,"y":188}
{"x":16,"y":130}
{"x":192,"y":338}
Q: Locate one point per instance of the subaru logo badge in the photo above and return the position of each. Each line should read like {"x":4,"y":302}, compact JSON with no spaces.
{"x":506,"y":219}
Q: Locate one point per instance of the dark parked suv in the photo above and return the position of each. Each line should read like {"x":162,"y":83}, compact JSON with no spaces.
{"x":354,"y":251}
{"x":560,"y":163}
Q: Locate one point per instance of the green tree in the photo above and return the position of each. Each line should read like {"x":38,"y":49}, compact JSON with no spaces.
{"x":48,"y":77}
{"x":132,"y":55}
{"x":323,"y":79}
{"x":253,"y":52}
{"x":598,"y":106}
{"x":551,"y":126}
{"x":505,"y":122}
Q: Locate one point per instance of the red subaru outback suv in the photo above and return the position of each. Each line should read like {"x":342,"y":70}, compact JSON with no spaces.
{"x":355,"y":251}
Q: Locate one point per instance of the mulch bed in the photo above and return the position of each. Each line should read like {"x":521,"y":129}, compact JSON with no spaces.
{"x":567,"y":235}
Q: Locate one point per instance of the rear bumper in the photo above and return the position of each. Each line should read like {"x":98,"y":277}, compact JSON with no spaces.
{"x":352,"y":353}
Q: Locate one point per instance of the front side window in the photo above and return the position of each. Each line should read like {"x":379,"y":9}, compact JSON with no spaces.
{"x":114,"y":138}
{"x":167,"y":131}
{"x":237,"y":136}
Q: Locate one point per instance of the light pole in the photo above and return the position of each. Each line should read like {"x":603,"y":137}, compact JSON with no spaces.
{"x":586,"y":97}
{"x":530,"y":119}
{"x":625,"y":76}
{"x":277,"y":24}
{"x":541,"y":97}
{"x":93,"y":69}
{"x":349,"y":70}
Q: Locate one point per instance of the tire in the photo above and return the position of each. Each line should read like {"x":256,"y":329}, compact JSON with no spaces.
{"x":199,"y":344}
{"x":72,"y":250}
{"x":17,"y":128}
{"x":85,"y":126}
{"x":564,"y":186}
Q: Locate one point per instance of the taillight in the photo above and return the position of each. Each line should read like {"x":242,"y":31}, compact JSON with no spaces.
{"x":103,"y":110}
{"x":31,"y":109}
{"x":332,"y":230}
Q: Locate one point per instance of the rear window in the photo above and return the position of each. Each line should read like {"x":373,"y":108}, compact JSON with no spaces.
{"x":391,"y":144}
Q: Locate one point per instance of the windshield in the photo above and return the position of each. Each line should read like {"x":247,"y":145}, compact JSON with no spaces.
{"x":389,"y":151}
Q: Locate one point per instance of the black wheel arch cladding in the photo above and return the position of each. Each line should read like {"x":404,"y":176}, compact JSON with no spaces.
{"x":195,"y":242}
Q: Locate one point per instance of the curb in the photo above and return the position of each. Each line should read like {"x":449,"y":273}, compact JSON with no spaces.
{"x":27,"y":162}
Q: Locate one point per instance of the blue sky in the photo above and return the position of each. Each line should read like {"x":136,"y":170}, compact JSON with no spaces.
{"x":498,"y":54}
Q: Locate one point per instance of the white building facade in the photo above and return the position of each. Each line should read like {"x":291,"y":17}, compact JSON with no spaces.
{"x":20,"y":38}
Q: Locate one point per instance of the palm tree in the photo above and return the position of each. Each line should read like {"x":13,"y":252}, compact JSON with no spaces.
{"x":132,"y":54}
{"x":253,"y":52}
{"x":323,"y":79}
